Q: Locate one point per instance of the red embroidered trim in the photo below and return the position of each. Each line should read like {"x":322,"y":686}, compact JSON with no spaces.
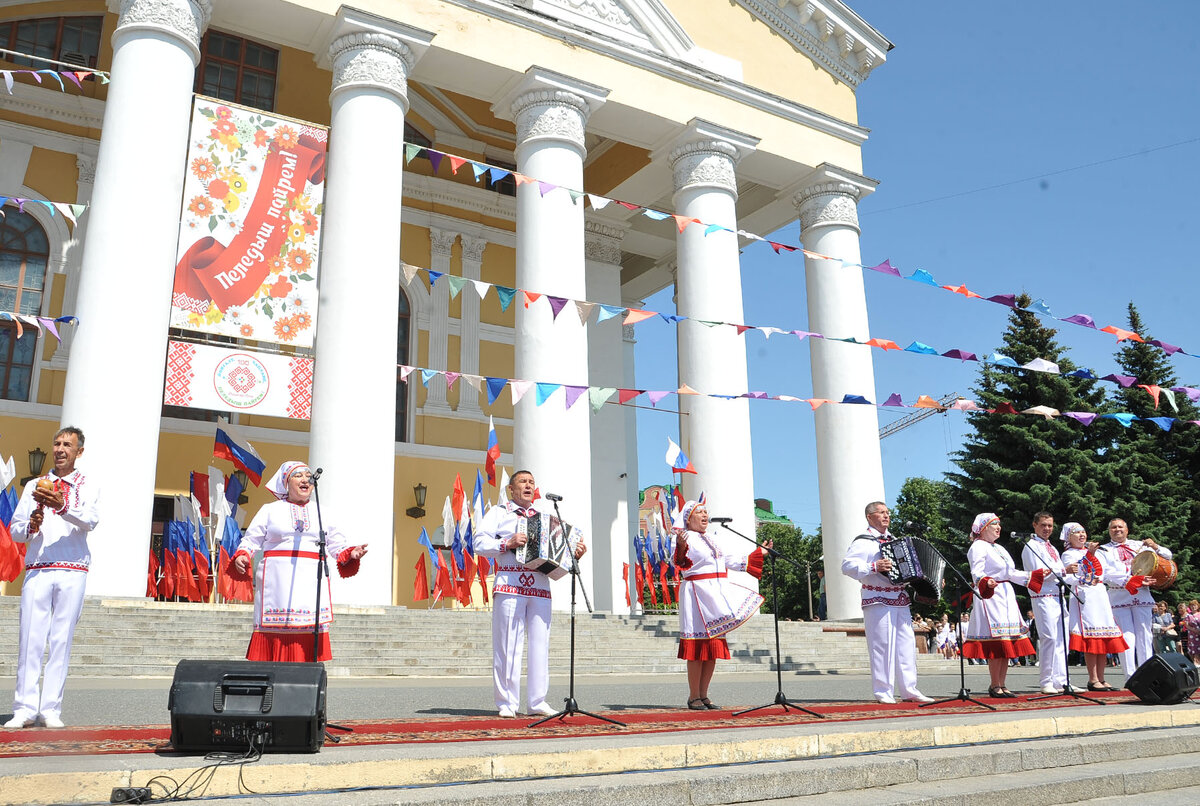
{"x":62,"y":566}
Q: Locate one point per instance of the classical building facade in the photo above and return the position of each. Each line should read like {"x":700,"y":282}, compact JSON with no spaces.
{"x":737,"y":114}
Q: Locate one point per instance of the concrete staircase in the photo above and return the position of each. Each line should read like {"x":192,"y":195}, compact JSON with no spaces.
{"x":136,"y":637}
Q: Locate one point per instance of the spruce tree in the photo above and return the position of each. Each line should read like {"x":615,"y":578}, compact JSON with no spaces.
{"x":1018,"y":464}
{"x":1151,"y":479}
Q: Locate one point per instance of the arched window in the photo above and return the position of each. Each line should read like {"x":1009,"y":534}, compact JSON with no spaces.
{"x":24,"y":254}
{"x":402,"y":345}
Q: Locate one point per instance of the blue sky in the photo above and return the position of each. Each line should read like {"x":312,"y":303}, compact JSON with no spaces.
{"x":1053,"y":149}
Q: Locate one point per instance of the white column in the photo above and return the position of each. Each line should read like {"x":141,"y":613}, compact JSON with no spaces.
{"x":610,"y":462}
{"x":551,"y":112}
{"x":114,"y":385}
{"x":629,"y":428}
{"x":472,"y":266}
{"x":354,"y":385}
{"x":441,"y":243}
{"x":849,"y":466}
{"x":715,"y":433}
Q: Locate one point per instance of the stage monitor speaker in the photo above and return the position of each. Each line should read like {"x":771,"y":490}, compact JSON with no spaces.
{"x":234,"y":705}
{"x":1165,"y":679}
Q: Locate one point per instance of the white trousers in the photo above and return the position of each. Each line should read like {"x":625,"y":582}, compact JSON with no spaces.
{"x":892,"y":649}
{"x":1137,"y":625}
{"x":514,"y":618}
{"x":51,"y":601}
{"x":1048,"y":613}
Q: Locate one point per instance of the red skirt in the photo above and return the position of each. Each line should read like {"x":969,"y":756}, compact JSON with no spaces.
{"x":993,"y":650}
{"x":287,"y":647}
{"x":703,"y":649}
{"x":1098,"y":646}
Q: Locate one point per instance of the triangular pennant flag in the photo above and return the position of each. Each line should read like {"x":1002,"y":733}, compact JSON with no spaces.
{"x":575,"y":196}
{"x":1083,"y":417}
{"x":883,"y":344}
{"x":962,"y":355}
{"x":479,"y":169}
{"x":1009,"y":300}
{"x":656,"y":396}
{"x":584,"y":309}
{"x":684,"y":389}
{"x":609,"y":311}
{"x":626,"y":395}
{"x":894,"y":399}
{"x":518,"y":390}
{"x":1005,"y":408}
{"x":531,"y":297}
{"x":1124,"y":418}
{"x":1121,"y":334}
{"x":505,"y":294}
{"x":1164,"y":423}
{"x":433,"y":278}
{"x":859,"y":399}
{"x":634,"y":316}
{"x":656,"y":215}
{"x":927,"y":402}
{"x":427,"y":375}
{"x":1081,"y":319}
{"x":1170,"y":396}
{"x":918,"y":347}
{"x":1153,"y":391}
{"x":1039,"y":306}
{"x":405,"y":371}
{"x":711,"y":228}
{"x":922,"y":276}
{"x":817,"y":402}
{"x":521,"y":179}
{"x":886,"y":268}
{"x":544,"y":390}
{"x":474,"y":381}
{"x":556,"y":304}
{"x":410,"y":151}
{"x":1043,"y":411}
{"x":481,"y":288}
{"x":597,"y":202}
{"x":1125,"y":381}
{"x":497,"y":174}
{"x":410,"y":271}
{"x":1041,"y":365}
{"x":494,"y":387}
{"x":545,"y":187}
{"x":456,"y":284}
{"x":599,"y":395}
{"x":573,"y":393}
{"x":435,"y":158}
{"x":451,"y":377}
{"x":456,"y":163}
{"x":962,"y":289}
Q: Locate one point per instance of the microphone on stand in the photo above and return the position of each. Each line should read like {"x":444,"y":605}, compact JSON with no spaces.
{"x":316,"y":474}
{"x":913,"y":526}
{"x":1024,"y":536}
{"x":720,"y":520}
{"x":553,"y":497}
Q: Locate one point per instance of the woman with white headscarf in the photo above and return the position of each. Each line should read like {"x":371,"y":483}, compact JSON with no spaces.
{"x":997,"y":631}
{"x":711,"y":604}
{"x":287,"y":533}
{"x":1094,"y":631}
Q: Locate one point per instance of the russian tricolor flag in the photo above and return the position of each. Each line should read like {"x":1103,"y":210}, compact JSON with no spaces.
{"x":677,"y":459}
{"x":231,"y":444}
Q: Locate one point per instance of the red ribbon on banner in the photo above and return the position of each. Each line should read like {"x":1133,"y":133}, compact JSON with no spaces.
{"x":230,"y":275}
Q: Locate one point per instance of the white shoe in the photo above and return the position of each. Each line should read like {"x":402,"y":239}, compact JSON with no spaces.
{"x":507,"y":713}
{"x":52,"y":721}
{"x":1051,"y":689}
{"x":885,"y":699}
{"x":545,"y":709}
{"x":19,"y":722}
{"x":918,"y":697}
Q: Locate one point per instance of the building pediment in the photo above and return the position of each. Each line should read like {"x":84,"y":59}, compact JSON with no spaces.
{"x":828,"y":32}
{"x":644,"y":24}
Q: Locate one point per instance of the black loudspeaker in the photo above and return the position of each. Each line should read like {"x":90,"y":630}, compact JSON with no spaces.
{"x":235,"y":705}
{"x":1165,"y":679}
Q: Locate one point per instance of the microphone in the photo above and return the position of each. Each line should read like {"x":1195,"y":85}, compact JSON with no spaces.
{"x":553,"y":497}
{"x":316,"y":474}
{"x":1022,"y":535}
{"x":913,"y":526}
{"x":720,"y":520}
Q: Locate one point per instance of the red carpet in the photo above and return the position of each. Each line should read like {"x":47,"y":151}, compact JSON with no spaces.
{"x":156,"y":738}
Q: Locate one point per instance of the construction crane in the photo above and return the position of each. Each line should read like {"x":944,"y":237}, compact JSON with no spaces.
{"x":917,"y":416}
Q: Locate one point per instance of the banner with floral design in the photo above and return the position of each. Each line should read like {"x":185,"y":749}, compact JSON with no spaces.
{"x":250,"y":231}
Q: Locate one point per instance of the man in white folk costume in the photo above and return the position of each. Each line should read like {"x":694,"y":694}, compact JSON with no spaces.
{"x":287,"y":534}
{"x":54,"y":517}
{"x":520,"y":597}
{"x":886,"y":615}
{"x":1134,"y":612}
{"x":1048,"y":611}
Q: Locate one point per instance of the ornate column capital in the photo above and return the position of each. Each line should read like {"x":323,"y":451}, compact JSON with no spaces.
{"x":368,"y":51}
{"x":472,"y":248}
{"x":602,"y":242}
{"x":705,"y":155}
{"x":829,"y":196}
{"x":86,"y":163}
{"x":549,"y":106}
{"x":441,"y":241}
{"x":184,"y":20}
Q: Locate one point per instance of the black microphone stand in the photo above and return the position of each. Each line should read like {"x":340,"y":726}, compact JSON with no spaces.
{"x":1064,"y":616}
{"x":317,"y":611}
{"x":964,"y":693}
{"x":781,"y":699}
{"x":570,"y":705}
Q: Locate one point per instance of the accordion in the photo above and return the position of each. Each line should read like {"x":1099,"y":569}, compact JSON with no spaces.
{"x":547,"y":548}
{"x":917,"y":564}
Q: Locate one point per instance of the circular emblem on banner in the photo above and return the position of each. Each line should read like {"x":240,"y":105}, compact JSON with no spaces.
{"x":241,"y":380}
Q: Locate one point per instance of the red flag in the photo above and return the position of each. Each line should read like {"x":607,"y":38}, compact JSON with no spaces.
{"x":166,"y":585}
{"x":200,"y":491}
{"x":202,"y":571}
{"x":481,"y":565}
{"x":456,"y":500}
{"x":441,"y":583}
{"x":12,"y":555}
{"x":662,"y":575}
{"x":625,"y":576}
{"x":493,"y":452}
{"x":224,"y":580}
{"x":421,"y":582}
{"x":639,"y":579}
{"x":464,"y":583}
{"x":151,"y":574}
{"x":650,"y":582}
